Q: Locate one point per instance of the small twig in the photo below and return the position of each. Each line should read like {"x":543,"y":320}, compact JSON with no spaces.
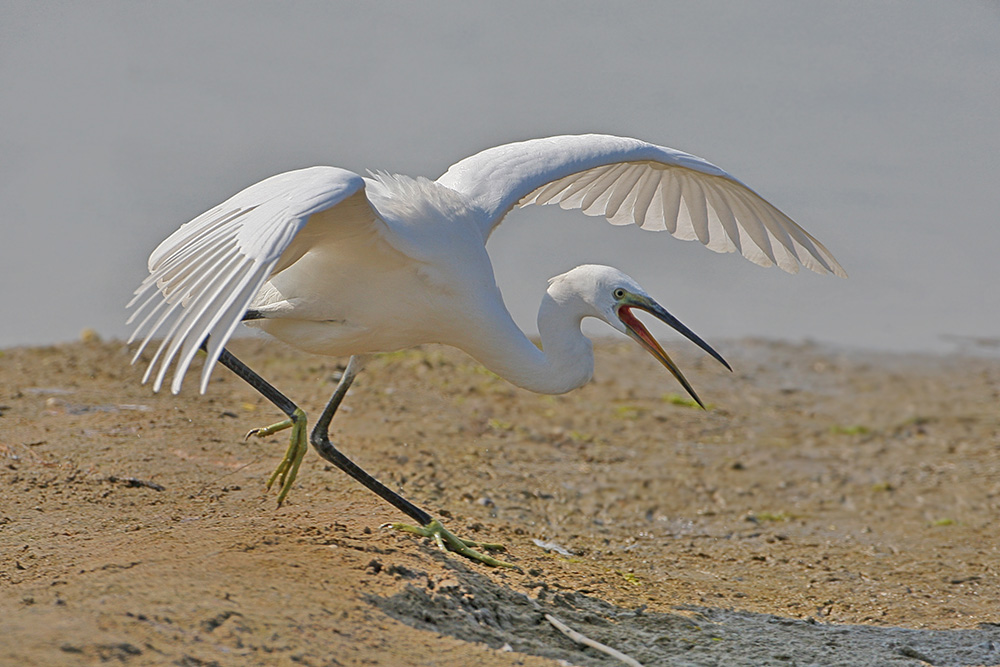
{"x":911,"y":652}
{"x":232,"y":471}
{"x":132,"y":482}
{"x":587,"y":641}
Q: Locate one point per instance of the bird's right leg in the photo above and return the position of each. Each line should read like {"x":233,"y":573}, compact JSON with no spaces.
{"x":288,"y":469}
{"x":427,"y":525}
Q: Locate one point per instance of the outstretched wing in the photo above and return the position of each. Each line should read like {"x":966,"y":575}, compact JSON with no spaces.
{"x":204,"y":275}
{"x":633,"y":182}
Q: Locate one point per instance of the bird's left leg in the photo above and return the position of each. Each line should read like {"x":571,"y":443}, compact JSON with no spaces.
{"x":427,"y":525}
{"x":288,"y":469}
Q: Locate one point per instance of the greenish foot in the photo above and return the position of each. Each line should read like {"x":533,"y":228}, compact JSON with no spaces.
{"x":288,"y":469}
{"x":447,"y":541}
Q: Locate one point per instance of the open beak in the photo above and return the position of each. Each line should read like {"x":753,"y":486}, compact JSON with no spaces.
{"x":636,"y":330}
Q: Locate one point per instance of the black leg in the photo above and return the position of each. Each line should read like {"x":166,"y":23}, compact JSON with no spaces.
{"x":288,"y":469}
{"x":320,"y":440}
{"x":265,"y":388}
{"x":428,"y":526}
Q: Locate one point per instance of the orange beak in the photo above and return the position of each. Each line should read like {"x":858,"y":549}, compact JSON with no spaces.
{"x":637,"y":331}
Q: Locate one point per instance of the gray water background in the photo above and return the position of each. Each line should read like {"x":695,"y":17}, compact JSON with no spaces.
{"x":874,"y":125}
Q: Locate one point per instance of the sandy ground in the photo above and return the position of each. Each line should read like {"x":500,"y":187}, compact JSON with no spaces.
{"x":829,"y":509}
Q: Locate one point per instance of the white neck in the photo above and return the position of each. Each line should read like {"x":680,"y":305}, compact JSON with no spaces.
{"x":565,"y":362}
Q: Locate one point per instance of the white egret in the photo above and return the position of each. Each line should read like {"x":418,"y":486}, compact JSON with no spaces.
{"x":338,"y":264}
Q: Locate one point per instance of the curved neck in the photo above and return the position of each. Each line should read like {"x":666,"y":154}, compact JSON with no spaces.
{"x":565,"y":362}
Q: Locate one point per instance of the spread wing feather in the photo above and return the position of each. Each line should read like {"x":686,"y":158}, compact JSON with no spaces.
{"x":204,"y":275}
{"x":633,"y":182}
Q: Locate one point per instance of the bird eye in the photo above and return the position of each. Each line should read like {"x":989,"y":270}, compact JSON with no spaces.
{"x":619,"y":293}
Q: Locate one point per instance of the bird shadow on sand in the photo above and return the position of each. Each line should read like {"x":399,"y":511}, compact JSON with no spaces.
{"x":471,"y":607}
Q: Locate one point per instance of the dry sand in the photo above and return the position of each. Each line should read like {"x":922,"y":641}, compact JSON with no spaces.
{"x":829,"y":509}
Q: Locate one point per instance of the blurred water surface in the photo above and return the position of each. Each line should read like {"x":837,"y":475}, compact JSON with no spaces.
{"x":874,"y":125}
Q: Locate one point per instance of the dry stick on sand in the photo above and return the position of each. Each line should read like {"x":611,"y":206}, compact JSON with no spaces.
{"x":587,"y":641}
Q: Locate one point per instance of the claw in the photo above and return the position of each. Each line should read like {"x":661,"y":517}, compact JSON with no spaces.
{"x":265,"y":431}
{"x":288,"y":469}
{"x":448,"y":541}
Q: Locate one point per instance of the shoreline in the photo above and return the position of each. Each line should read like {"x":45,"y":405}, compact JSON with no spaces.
{"x":823,"y":492}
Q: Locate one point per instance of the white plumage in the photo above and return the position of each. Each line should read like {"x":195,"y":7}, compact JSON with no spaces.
{"x":338,"y":264}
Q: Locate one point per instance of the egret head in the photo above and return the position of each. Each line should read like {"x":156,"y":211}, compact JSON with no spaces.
{"x":610,"y":295}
